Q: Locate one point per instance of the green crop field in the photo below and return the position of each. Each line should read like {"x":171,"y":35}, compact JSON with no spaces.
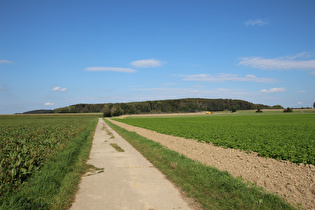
{"x":27,"y":141}
{"x":280,"y":136}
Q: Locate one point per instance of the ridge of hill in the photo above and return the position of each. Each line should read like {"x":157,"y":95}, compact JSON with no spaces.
{"x":186,"y":105}
{"x":165,"y":106}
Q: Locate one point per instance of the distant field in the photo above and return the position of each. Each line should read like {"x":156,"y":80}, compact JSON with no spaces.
{"x":286,"y":136}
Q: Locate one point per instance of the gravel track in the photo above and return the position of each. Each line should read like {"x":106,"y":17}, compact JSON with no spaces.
{"x":296,"y":183}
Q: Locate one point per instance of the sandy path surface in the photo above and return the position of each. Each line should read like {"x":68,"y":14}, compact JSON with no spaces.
{"x":294,"y":182}
{"x":124,"y":180}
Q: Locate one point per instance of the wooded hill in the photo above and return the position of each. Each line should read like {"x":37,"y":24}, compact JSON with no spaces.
{"x":165,"y":106}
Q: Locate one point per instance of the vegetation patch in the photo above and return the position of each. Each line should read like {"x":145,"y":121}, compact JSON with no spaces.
{"x":108,"y":132}
{"x":207,"y":185}
{"x":92,"y":170}
{"x":116,"y":147}
{"x":42,"y":159}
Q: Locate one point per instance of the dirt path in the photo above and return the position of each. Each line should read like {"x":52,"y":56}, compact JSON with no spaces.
{"x":125,"y":179}
{"x":294,"y":182}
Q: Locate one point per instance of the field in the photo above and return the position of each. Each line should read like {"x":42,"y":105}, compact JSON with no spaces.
{"x":276,"y":135}
{"x":28,"y":141}
{"x":210,"y":187}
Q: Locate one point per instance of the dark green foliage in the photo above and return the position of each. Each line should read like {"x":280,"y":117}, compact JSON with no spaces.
{"x":106,"y":111}
{"x":40,"y":111}
{"x":234,"y":109}
{"x":164,"y":106}
{"x":288,"y":110}
{"x":259,"y":110}
{"x":277,"y":107}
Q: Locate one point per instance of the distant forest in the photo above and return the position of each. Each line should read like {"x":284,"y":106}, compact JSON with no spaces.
{"x":162,"y":106}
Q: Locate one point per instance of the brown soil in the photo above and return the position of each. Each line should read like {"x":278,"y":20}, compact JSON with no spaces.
{"x":294,"y":182}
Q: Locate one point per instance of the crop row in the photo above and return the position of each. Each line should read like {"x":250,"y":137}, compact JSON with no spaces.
{"x":26,"y":142}
{"x":287,"y":137}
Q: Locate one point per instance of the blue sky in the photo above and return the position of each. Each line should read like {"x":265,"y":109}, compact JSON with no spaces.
{"x":58,"y":53}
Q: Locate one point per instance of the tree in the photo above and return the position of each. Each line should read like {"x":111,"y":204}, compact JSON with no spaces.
{"x":106,"y":111}
{"x":277,"y":107}
{"x":314,"y":105}
{"x":234,"y":109}
{"x":288,"y":110}
{"x":259,"y":110}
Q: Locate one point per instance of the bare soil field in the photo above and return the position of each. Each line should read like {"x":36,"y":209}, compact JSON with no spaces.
{"x":296,"y":183}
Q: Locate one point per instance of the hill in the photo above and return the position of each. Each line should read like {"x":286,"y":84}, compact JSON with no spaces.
{"x":164,"y":106}
{"x":40,"y":111}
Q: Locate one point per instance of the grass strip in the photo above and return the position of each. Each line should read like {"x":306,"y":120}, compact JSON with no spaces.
{"x":55,"y":185}
{"x":212,"y":188}
{"x":108,"y":132}
{"x":116,"y":147}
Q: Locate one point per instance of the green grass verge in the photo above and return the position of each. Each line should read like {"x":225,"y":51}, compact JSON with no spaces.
{"x":55,"y":185}
{"x":212,"y":188}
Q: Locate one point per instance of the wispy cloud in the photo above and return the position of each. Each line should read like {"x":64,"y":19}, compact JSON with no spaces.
{"x":256,"y":22}
{"x":5,"y":61}
{"x":146,"y":63}
{"x":225,"y":77}
{"x":115,"y":69}
{"x":273,"y":90}
{"x":281,"y":63}
{"x":59,"y":89}
{"x":49,"y":104}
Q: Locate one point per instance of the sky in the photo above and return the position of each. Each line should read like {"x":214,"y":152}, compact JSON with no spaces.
{"x":56,"y":53}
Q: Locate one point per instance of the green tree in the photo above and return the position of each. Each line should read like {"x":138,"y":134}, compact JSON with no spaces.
{"x":106,"y":111}
{"x":277,"y":107}
{"x":288,"y":110}
{"x":234,"y":109}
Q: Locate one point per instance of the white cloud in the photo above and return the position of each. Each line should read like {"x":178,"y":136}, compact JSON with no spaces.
{"x":302,"y":91}
{"x":146,"y":63}
{"x":59,"y":89}
{"x":49,"y":104}
{"x":273,"y":90}
{"x":255,"y":22}
{"x":300,"y":103}
{"x":225,"y":77}
{"x":115,"y":69}
{"x":313,"y":73}
{"x":282,"y":63}
{"x":2,"y":88}
{"x":5,"y":61}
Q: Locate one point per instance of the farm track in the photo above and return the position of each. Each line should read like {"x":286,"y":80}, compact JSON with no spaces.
{"x":294,"y":182}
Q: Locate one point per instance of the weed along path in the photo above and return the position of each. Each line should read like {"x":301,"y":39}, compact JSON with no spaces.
{"x":294,"y":182}
{"x":122,"y":178}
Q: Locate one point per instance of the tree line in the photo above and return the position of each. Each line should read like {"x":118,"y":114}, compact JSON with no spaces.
{"x":164,"y":106}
